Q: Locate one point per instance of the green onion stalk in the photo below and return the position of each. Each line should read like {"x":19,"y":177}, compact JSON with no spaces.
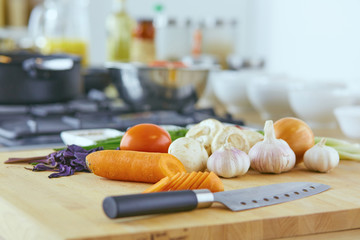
{"x":346,"y":150}
{"x":114,"y":143}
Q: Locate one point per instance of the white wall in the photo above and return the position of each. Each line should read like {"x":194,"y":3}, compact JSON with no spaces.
{"x":317,"y":39}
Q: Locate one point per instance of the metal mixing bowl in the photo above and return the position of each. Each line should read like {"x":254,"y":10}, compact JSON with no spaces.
{"x":158,"y":88}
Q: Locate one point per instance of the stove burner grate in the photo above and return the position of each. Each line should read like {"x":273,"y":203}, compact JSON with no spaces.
{"x":42,"y":124}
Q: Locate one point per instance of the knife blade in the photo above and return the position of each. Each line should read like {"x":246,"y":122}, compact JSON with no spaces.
{"x":186,"y":200}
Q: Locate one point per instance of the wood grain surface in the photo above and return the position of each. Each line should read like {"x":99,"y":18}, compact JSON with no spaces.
{"x":32,"y":206}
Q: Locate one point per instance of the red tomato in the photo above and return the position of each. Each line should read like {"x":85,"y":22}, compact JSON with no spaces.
{"x":146,"y":137}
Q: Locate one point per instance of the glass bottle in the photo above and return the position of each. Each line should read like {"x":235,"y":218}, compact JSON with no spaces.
{"x":2,"y":13}
{"x":65,"y":28}
{"x":119,"y":27}
{"x":143,"y":45}
{"x":172,"y":36}
{"x":219,"y":39}
{"x":197,"y":36}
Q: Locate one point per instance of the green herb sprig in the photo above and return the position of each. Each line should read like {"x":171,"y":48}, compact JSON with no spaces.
{"x":114,"y":143}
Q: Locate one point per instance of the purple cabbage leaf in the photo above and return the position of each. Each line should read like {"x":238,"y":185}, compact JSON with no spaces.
{"x":66,"y":162}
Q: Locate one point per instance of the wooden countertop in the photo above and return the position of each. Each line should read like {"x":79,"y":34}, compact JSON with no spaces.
{"x":32,"y":206}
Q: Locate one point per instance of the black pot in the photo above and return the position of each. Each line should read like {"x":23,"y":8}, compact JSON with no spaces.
{"x":96,"y":78}
{"x":28,"y":78}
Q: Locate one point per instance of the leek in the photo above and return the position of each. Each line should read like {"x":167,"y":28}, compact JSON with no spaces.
{"x":346,"y":150}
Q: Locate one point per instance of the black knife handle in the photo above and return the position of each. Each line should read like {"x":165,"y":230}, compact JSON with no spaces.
{"x":149,"y":203}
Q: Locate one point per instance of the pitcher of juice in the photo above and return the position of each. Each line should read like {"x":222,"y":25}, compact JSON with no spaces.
{"x":62,"y":26}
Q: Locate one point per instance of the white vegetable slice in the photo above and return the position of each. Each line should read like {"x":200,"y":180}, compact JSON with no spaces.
{"x":253,"y":136}
{"x":233,"y":136}
{"x":205,"y":131}
{"x":190,"y":152}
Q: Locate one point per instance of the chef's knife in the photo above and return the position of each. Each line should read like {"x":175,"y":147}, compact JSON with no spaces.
{"x":236,"y":200}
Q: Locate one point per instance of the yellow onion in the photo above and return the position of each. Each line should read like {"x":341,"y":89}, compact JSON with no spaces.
{"x":297,"y":134}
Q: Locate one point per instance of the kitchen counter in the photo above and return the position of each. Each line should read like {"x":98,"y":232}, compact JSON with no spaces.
{"x":32,"y":206}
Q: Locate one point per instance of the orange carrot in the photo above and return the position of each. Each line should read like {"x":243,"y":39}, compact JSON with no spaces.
{"x":196,"y":178}
{"x":175,"y":181}
{"x":158,"y":186}
{"x":185,"y":181}
{"x":182,"y":179}
{"x":199,"y":181}
{"x":162,"y":186}
{"x":213,"y":183}
{"x":133,"y":166}
{"x":171,"y":181}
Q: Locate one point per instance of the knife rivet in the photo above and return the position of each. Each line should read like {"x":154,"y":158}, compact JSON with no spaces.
{"x":265,"y":199}
{"x":243,"y":203}
{"x":276,"y":197}
{"x":286,"y":195}
{"x":305,"y":190}
{"x":254,"y":201}
{"x":297,"y":193}
{"x":312,"y":187}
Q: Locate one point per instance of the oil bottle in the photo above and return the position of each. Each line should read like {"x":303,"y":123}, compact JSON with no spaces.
{"x":119,"y":27}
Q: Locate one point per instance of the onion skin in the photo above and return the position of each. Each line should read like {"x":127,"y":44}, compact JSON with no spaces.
{"x":297,"y":134}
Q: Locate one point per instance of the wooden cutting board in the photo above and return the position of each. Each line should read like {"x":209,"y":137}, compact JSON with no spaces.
{"x":32,"y":206}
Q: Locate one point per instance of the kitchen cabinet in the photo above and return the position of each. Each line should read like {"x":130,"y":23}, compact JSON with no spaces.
{"x":32,"y":206}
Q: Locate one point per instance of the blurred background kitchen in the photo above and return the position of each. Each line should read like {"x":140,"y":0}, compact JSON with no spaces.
{"x":274,"y":58}
{"x":315,"y":39}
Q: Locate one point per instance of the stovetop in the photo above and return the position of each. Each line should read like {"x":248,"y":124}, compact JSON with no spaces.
{"x":40,"y":125}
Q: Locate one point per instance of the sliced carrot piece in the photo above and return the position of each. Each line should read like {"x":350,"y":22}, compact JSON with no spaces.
{"x":184,"y":181}
{"x":178,"y":183}
{"x":157,"y":187}
{"x":172,"y":179}
{"x":195,"y":178}
{"x":161,"y":187}
{"x":184,"y":184}
{"x":199,"y":181}
{"x":170,"y":187}
{"x":213,"y":183}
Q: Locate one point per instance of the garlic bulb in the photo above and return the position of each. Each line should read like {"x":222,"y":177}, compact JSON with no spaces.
{"x":228,"y":162}
{"x":321,"y":158}
{"x":271,"y":155}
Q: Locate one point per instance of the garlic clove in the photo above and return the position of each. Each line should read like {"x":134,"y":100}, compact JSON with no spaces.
{"x":321,"y":158}
{"x":228,"y":162}
{"x":271,"y":155}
